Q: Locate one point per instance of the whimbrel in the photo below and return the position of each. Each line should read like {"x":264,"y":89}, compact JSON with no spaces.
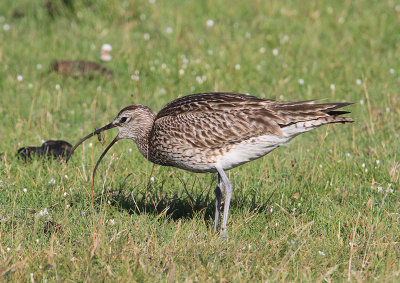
{"x":215,"y":132}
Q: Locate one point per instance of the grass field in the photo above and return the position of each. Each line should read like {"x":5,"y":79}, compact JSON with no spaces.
{"x":324,"y":208}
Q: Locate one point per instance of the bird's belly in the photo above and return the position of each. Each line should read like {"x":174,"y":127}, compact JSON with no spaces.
{"x":249,"y":150}
{"x":204,"y":160}
{"x":185,"y":157}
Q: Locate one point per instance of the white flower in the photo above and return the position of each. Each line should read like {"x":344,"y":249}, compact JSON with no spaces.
{"x":181,"y":72}
{"x":397,"y":8}
{"x":348,"y":154}
{"x":135,"y":77}
{"x":210,"y":23}
{"x":8,"y":249}
{"x":162,"y":91}
{"x":358,"y":81}
{"x":37,"y":241}
{"x":258,"y":67}
{"x":378,"y":161}
{"x":361,"y":101}
{"x":275,"y":51}
{"x":210,"y":52}
{"x":281,"y":97}
{"x":152,"y":1}
{"x":142,"y":17}
{"x":392,"y":71}
{"x":65,"y":194}
{"x":20,"y":78}
{"x":152,"y":179}
{"x":90,"y":144}
{"x":321,"y":253}
{"x":262,"y":50}
{"x":43,"y":212}
{"x":39,"y":66}
{"x":285,"y":38}
{"x":168,"y":30}
{"x":6,"y":27}
{"x":363,"y":165}
{"x":30,"y":85}
{"x":130,"y":149}
{"x":301,"y":81}
{"x":332,"y":86}
{"x":163,"y":65}
{"x":105,"y":52}
{"x":237,"y":66}
{"x":57,"y":86}
{"x":25,"y":190}
{"x":146,"y":36}
{"x":185,"y":60}
{"x":52,"y":181}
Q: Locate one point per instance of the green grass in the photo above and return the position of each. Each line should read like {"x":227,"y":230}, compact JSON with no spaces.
{"x":322,"y":208}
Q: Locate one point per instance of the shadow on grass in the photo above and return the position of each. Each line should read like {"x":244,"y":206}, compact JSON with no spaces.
{"x":188,"y":203}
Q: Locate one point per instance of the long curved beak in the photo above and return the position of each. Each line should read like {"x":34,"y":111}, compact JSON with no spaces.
{"x":107,"y":127}
{"x":102,"y":155}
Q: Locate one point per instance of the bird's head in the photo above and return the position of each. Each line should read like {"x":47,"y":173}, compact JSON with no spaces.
{"x":133,"y":122}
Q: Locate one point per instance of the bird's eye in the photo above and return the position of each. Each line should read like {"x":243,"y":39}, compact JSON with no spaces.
{"x":123,"y":120}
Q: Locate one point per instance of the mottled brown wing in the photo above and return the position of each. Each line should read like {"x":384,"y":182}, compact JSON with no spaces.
{"x":215,"y":120}
{"x":214,"y":129}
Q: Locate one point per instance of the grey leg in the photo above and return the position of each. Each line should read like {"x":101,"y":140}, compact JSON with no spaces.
{"x":218,"y":197}
{"x":228,"y":194}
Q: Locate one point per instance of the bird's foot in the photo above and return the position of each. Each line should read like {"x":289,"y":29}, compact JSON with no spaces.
{"x":223,"y":235}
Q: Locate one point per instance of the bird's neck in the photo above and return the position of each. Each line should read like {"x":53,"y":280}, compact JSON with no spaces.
{"x":142,"y":136}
